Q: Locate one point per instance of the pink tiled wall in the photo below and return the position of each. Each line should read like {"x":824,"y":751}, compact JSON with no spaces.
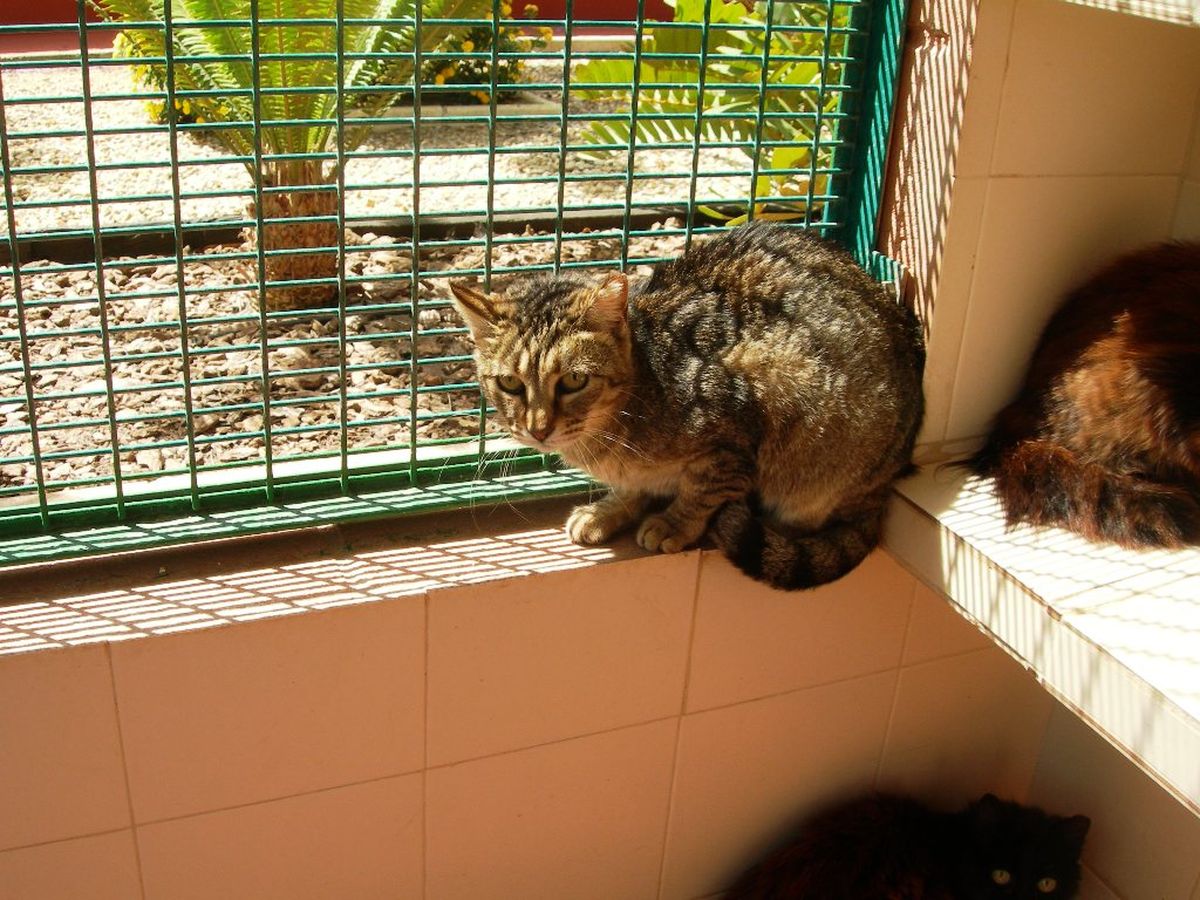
{"x":634,"y":728}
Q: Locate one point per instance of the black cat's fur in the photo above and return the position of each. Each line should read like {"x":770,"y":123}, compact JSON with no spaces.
{"x":885,"y":847}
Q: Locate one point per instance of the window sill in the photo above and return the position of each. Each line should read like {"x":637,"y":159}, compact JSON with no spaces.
{"x":1114,"y":634}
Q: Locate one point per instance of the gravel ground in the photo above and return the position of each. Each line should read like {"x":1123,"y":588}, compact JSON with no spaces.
{"x":226,"y":361}
{"x":224,"y":340}
{"x":371,"y":189}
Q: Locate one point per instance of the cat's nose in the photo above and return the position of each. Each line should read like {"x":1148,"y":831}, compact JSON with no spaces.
{"x":540,"y":433}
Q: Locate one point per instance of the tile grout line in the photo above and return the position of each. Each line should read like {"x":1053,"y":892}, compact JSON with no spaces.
{"x":63,"y":840}
{"x":810,"y":687}
{"x":1104,"y":881}
{"x":133,"y":829}
{"x":987,"y":191}
{"x":1012,"y":24}
{"x":1191,"y":150}
{"x":279,"y":799}
{"x":887,"y":731}
{"x":425,"y":757}
{"x":687,"y":682}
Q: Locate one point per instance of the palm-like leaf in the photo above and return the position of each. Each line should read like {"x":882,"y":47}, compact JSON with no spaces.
{"x":733,"y":84}
{"x":212,"y":49}
{"x":288,"y":103}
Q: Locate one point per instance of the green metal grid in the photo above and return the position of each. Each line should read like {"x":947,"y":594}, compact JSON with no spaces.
{"x":155,"y":446}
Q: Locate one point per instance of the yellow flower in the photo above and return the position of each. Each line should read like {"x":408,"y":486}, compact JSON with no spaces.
{"x":439,"y":79}
{"x":468,"y":46}
{"x":506,"y":9}
{"x":447,"y":72}
{"x":200,"y":120}
{"x":546,"y":32}
{"x":531,"y":10}
{"x":186,"y":108}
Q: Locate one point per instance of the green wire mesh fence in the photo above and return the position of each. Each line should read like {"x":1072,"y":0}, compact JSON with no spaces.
{"x":227,"y":241}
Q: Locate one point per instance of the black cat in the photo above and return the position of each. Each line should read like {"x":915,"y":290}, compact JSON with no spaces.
{"x":884,"y":847}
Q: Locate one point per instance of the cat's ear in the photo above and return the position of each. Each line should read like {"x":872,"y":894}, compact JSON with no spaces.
{"x":986,"y":810}
{"x":1076,"y":829}
{"x":479,"y":310}
{"x":608,"y":307}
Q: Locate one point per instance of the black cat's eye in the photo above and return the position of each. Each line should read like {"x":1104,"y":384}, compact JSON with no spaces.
{"x":572,"y":382}
{"x":1001,"y":876}
{"x":1047,"y":885}
{"x":510,"y":384}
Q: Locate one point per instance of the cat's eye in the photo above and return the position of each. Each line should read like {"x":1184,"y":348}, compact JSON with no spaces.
{"x":510,"y":384}
{"x":1047,"y":885}
{"x":572,"y":382}
{"x":1001,"y":876}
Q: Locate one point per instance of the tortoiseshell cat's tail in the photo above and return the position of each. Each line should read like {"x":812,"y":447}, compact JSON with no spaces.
{"x":793,"y":561}
{"x":1046,"y":484}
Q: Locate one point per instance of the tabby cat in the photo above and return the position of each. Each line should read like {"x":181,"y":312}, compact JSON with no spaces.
{"x":1104,"y":438}
{"x":884,"y":847}
{"x":761,"y":388}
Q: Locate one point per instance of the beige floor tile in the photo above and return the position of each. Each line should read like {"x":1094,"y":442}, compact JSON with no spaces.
{"x":963,"y":726}
{"x":530,"y":660}
{"x":61,"y":772}
{"x":100,"y":867}
{"x":360,"y":842}
{"x":1142,"y":842}
{"x":1062,"y":98}
{"x":752,"y":641}
{"x":581,"y":819}
{"x":746,"y":772}
{"x":236,"y":715}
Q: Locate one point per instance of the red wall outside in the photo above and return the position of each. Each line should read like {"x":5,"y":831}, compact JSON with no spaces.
{"x":17,"y":12}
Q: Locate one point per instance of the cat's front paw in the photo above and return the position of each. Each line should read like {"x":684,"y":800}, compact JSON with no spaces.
{"x":592,"y":523}
{"x":659,"y":533}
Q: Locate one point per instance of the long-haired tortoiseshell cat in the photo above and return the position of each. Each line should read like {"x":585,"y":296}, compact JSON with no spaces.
{"x":761,"y":383}
{"x":885,"y":847}
{"x":1104,"y":438}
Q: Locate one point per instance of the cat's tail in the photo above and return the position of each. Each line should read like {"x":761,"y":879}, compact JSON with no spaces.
{"x":1046,"y":484}
{"x":795,"y":561}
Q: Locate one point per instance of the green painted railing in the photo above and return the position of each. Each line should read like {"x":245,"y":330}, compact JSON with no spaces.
{"x":152,"y":390}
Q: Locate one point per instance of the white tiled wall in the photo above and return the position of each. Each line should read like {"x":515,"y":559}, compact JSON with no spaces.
{"x":641,"y":728}
{"x":1078,"y":142}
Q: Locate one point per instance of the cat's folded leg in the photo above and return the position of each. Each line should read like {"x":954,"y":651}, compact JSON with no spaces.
{"x":595,"y":523}
{"x":707,"y":484}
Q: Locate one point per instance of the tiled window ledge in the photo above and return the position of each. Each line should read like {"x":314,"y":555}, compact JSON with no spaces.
{"x":1112,"y":633}
{"x":219,"y":583}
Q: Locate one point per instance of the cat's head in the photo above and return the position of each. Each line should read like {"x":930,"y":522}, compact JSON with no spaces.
{"x":553,"y":355}
{"x":1019,"y":852}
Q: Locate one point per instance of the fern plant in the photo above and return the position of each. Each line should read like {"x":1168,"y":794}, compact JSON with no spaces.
{"x":297,"y":119}
{"x":732,"y":88}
